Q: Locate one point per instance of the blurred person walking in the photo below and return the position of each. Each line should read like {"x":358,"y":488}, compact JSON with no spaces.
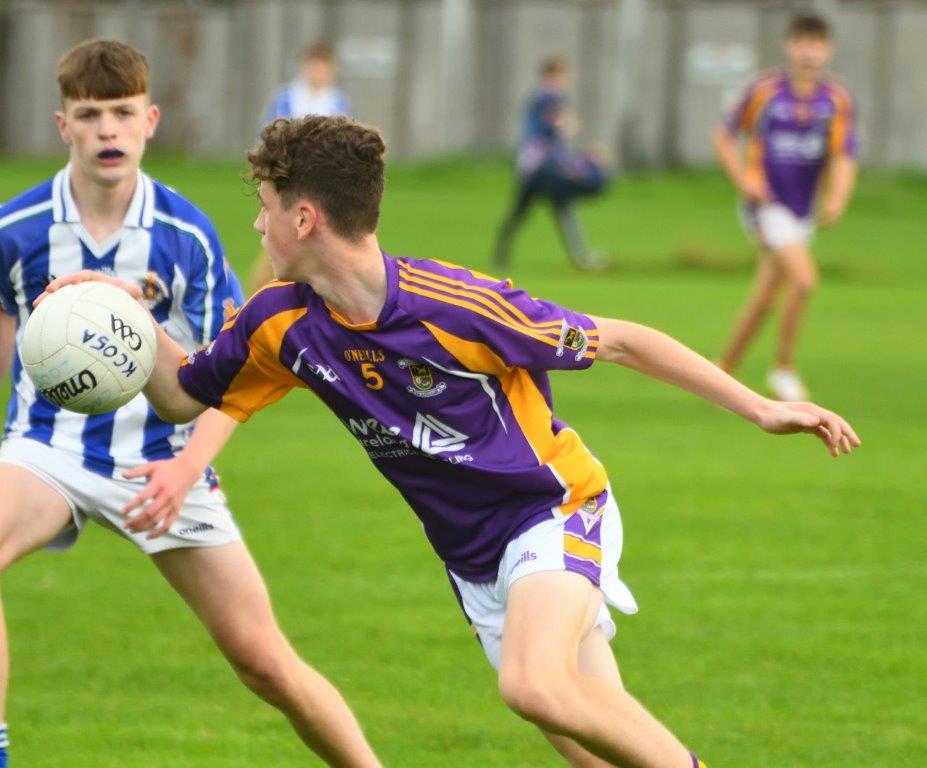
{"x":548,"y":169}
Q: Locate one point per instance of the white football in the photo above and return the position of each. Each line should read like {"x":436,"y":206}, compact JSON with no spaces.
{"x":89,"y":347}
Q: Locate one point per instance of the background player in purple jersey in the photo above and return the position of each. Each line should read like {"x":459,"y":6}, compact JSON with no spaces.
{"x":441,"y":375}
{"x":798,"y":122}
{"x":548,"y":169}
{"x":59,"y":469}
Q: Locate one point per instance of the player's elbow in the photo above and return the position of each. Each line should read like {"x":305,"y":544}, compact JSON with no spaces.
{"x":177,"y":412}
{"x":613,"y":339}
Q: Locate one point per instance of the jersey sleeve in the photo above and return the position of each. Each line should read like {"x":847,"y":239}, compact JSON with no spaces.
{"x":213,"y":291}
{"x":843,"y":125}
{"x":240,"y":372}
{"x":490,"y":325}
{"x":743,"y":117}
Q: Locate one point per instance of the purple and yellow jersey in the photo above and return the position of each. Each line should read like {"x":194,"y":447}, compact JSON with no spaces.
{"x":791,"y":138}
{"x":447,"y":392}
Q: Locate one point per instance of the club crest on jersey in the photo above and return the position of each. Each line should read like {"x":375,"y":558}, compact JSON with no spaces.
{"x":574,"y":339}
{"x":423,"y":381}
{"x":154,"y":290}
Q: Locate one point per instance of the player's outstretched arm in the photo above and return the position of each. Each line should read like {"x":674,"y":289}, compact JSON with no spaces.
{"x":163,"y":390}
{"x":7,"y":342}
{"x":662,"y":357}
{"x":841,"y":180}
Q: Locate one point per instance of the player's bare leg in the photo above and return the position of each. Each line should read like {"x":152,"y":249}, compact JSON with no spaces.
{"x":801,"y":276}
{"x":596,"y":660}
{"x":549,"y":614}
{"x":766,"y":285}
{"x":801,"y":279}
{"x":31,"y":514}
{"x":224,"y":588}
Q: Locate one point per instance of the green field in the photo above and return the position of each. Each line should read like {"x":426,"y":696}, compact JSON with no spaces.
{"x":782,"y":593}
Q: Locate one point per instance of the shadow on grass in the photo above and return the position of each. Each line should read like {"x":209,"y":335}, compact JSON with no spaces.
{"x":695,"y":259}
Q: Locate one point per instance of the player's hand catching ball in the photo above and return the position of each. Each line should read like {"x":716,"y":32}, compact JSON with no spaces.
{"x":84,"y":276}
{"x":791,"y":418}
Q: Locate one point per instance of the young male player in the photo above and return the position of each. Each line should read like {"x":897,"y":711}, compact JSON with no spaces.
{"x":314,"y":90}
{"x":440,"y":374}
{"x":798,"y":122}
{"x":59,"y":469}
{"x":548,"y":169}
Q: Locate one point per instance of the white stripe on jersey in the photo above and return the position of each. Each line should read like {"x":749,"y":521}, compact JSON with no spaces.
{"x":131,"y":264}
{"x":65,"y":258}
{"x":25,"y":213}
{"x":192,"y":229}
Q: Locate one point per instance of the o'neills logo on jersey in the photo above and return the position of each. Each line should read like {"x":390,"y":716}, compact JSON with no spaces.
{"x":154,"y":289}
{"x":68,"y":390}
{"x":364,"y":355}
{"x":423,"y":381}
{"x":574,"y":339}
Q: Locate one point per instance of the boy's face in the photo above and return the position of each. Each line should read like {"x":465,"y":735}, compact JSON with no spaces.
{"x":107,"y":138}
{"x":318,"y":72}
{"x":807,"y":55}
{"x":557,"y":80}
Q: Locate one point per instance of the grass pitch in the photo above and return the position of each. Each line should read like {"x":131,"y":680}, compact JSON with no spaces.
{"x":782,"y":593}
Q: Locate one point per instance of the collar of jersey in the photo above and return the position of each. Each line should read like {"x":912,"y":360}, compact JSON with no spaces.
{"x":139,"y":214}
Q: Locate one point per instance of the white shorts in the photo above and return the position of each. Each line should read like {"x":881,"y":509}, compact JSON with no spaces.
{"x":587,"y":542}
{"x":774,"y":225}
{"x":204,"y":520}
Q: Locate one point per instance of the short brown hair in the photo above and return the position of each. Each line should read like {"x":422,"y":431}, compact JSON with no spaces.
{"x":333,"y":161}
{"x":809,"y":25}
{"x":552,"y":65}
{"x":102,"y":69}
{"x":318,"y":50}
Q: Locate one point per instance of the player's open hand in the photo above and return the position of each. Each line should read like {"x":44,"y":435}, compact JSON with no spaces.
{"x":756,"y":190}
{"x":161,"y":499}
{"x":84,"y":276}
{"x":829,"y":214}
{"x":790,"y":418}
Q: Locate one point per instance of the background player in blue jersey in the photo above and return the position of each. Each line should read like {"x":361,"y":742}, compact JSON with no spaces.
{"x":314,"y":91}
{"x":548,"y":169}
{"x":441,"y":374}
{"x":59,"y":469}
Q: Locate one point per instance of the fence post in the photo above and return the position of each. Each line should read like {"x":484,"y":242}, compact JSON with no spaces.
{"x":675,"y":73}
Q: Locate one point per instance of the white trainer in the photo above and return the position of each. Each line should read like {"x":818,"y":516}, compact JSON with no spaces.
{"x":786,"y":385}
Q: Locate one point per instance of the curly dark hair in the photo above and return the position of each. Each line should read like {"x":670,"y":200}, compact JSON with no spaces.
{"x":335,"y":162}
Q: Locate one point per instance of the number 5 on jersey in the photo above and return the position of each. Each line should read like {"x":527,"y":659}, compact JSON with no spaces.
{"x":371,"y":376}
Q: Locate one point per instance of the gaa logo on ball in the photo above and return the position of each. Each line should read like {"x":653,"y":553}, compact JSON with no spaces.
{"x":89,"y":347}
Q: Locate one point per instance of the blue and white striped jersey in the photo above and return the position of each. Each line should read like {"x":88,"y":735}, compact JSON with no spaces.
{"x":165,"y":245}
{"x":294,"y":99}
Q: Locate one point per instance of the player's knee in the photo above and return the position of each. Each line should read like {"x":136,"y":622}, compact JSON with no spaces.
{"x":265,"y":666}
{"x":538,"y":700}
{"x":806,"y":282}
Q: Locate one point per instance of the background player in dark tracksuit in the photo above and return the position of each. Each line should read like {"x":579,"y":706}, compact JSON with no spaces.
{"x":548,"y":169}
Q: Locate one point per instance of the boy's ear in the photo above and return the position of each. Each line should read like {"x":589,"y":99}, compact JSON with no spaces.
{"x":153,"y":116}
{"x":62,"y":127}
